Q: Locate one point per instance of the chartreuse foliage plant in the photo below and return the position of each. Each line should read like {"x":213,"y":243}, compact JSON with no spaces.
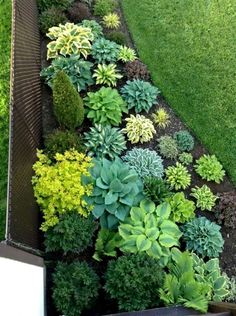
{"x":75,"y":287}
{"x":105,"y":106}
{"x":168,"y":147}
{"x":185,"y":158}
{"x":67,"y":104}
{"x":133,"y":281}
{"x":180,"y":285}
{"x":73,"y":233}
{"x":147,"y":163}
{"x":184,"y":140}
{"x":126,"y":54}
{"x":139,"y":129}
{"x":150,"y":230}
{"x":182,"y":209}
{"x":94,"y":26}
{"x":107,"y":75}
{"x":77,"y":69}
{"x":111,"y":21}
{"x":203,"y":237}
{"x":205,"y":198}
{"x":140,"y":95}
{"x":116,"y":189}
{"x":161,"y":118}
{"x":156,"y":190}
{"x":69,"y":39}
{"x":106,"y":244}
{"x":209,"y":272}
{"x":105,"y":51}
{"x":103,"y":7}
{"x":178,"y":176}
{"x":104,"y":141}
{"x":58,"y":187}
{"x":209,"y":168}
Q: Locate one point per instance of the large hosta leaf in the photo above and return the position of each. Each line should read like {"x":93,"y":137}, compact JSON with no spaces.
{"x":116,"y":185}
{"x":148,"y":206}
{"x":143,"y":243}
{"x":168,"y":240}
{"x":170,"y":228}
{"x":163,"y":210}
{"x":155,"y":250}
{"x":137,"y":214}
{"x":111,"y":198}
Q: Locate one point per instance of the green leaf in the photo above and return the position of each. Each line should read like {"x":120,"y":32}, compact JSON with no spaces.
{"x":129,"y":245}
{"x":163,"y":210}
{"x":155,"y":250}
{"x":137,"y":230}
{"x":130,"y":178}
{"x":168,"y":240}
{"x":122,"y":212}
{"x":111,"y":198}
{"x":150,"y":221}
{"x":116,"y":185}
{"x":170,"y":228}
{"x":100,"y":184}
{"x":137,"y":214}
{"x":112,"y":221}
{"x":143,"y":243}
{"x":125,"y":230}
{"x":219,"y":283}
{"x":152,"y":233}
{"x":98,"y":210}
{"x":148,"y":206}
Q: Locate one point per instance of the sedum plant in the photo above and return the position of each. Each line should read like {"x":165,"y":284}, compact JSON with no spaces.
{"x":139,"y":129}
{"x":104,"y":142}
{"x":139,"y":95}
{"x":147,"y":163}
{"x":161,"y":118}
{"x":77,"y":69}
{"x":203,"y":237}
{"x":105,"y":106}
{"x":107,"y":75}
{"x":156,"y":190}
{"x":105,"y":51}
{"x":126,"y":54}
{"x":168,"y":147}
{"x":137,"y":70}
{"x":133,"y":281}
{"x":185,"y":158}
{"x":94,"y":26}
{"x":103,"y":7}
{"x":116,"y":189}
{"x":205,"y":198}
{"x":209,"y":168}
{"x":184,"y":140}
{"x":150,"y":230}
{"x":178,"y":176}
{"x":182,"y":209}
{"x":111,"y":21}
{"x":69,"y":39}
{"x":58,"y":187}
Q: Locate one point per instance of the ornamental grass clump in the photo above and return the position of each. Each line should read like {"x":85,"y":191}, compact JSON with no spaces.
{"x":107,"y":75}
{"x":111,"y":21}
{"x":182,"y":209}
{"x":147,"y":163}
{"x":139,"y":95}
{"x":184,"y":140}
{"x":203,"y":237}
{"x":105,"y":51}
{"x":139,"y":129}
{"x":209,"y":168}
{"x":178,"y":176}
{"x":156,"y":190}
{"x":104,"y":142}
{"x":126,"y":54}
{"x":58,"y":186}
{"x":105,"y":106}
{"x":133,"y":281}
{"x":161,"y":118}
{"x":205,"y":199}
{"x":168,"y":147}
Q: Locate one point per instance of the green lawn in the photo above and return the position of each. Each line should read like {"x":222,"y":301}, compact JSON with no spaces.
{"x":190,"y":49}
{"x":5,"y":36}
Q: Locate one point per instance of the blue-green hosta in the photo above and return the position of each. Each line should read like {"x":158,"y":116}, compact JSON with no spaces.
{"x":105,"y":51}
{"x":94,"y":26}
{"x":116,"y":189}
{"x":149,"y":229}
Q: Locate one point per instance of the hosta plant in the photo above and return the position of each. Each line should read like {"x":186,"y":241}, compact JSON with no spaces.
{"x":126,"y":54}
{"x":209,"y":168}
{"x":116,"y":189}
{"x":185,"y":158}
{"x":156,"y":190}
{"x":77,"y":69}
{"x":111,"y":21}
{"x":182,"y":209}
{"x":107,"y":75}
{"x":103,"y":7}
{"x":161,"y":118}
{"x":205,"y":199}
{"x":105,"y":106}
{"x":178,"y":176}
{"x":139,"y":129}
{"x":105,"y":51}
{"x":137,"y":70}
{"x":140,"y":95}
{"x":150,"y":230}
{"x":58,"y":187}
{"x":168,"y":147}
{"x":94,"y":26}
{"x":147,"y":163}
{"x":184,"y":140}
{"x":104,"y":141}
{"x":203,"y":237}
{"x":69,"y":39}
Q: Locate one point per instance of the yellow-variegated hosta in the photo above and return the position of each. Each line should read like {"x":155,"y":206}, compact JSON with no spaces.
{"x":111,"y":21}
{"x":107,"y":74}
{"x":126,"y":54}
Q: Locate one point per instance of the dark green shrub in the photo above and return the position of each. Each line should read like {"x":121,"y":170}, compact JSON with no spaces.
{"x":117,"y":37}
{"x":73,"y":233}
{"x":51,"y":17}
{"x":60,"y":141}
{"x":46,"y":4}
{"x":79,"y":12}
{"x":103,"y":7}
{"x":184,"y":140}
{"x":156,"y":190}
{"x":75,"y":287}
{"x":134,"y":280}
{"x":68,"y":105}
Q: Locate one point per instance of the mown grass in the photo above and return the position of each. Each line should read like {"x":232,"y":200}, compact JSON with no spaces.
{"x":190,"y":49}
{"x":5,"y":37}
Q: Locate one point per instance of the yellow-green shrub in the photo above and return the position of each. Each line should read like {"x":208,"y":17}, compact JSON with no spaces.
{"x":58,"y":187}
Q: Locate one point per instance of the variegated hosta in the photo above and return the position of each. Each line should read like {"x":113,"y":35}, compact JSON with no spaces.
{"x":149,"y":229}
{"x":107,"y":74}
{"x":69,"y":39}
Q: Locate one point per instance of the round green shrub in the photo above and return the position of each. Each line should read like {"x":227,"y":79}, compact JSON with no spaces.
{"x":46,"y":4}
{"x":68,"y":105}
{"x":134,"y":280}
{"x":75,"y":287}
{"x":79,"y":12}
{"x":73,"y":233}
{"x":117,"y":37}
{"x":168,"y":147}
{"x":103,"y":7}
{"x":51,"y":17}
{"x":178,"y":176}
{"x":61,"y":141}
{"x":156,"y":190}
{"x":184,"y":140}
{"x":209,"y":168}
